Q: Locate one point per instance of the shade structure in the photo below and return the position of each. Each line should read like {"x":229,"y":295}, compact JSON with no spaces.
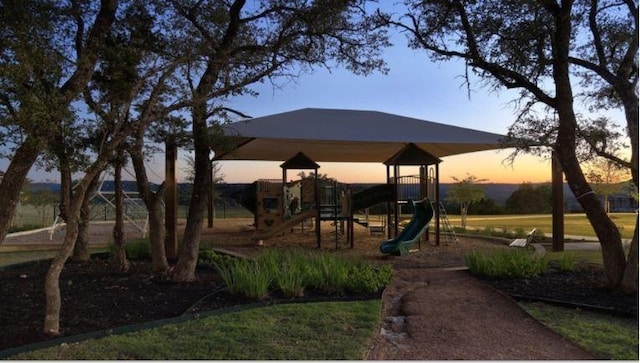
{"x":335,"y":135}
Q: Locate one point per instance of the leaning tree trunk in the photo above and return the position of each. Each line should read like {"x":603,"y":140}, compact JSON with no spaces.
{"x":81,"y":249}
{"x":120,"y":257}
{"x":606,"y":231}
{"x":13,"y":180}
{"x":52,"y":280}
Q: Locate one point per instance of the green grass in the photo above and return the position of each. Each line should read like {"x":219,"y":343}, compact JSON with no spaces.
{"x":580,"y":257}
{"x":505,"y":263}
{"x":574,"y":224}
{"x":608,"y":336}
{"x":318,"y":331}
{"x":294,"y":271}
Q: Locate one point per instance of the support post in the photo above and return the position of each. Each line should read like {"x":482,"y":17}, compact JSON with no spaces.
{"x":437,"y":207}
{"x":557,"y":204}
{"x":210,"y":205}
{"x":171,"y":199}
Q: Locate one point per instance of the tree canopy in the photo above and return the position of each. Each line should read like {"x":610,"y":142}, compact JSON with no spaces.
{"x":551,"y":52}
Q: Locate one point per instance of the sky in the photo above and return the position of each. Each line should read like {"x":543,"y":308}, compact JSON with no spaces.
{"x":414,"y":87}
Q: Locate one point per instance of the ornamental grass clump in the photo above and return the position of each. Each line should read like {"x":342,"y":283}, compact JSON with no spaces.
{"x":567,"y":263}
{"x":506,"y":264}
{"x":287,"y":270}
{"x":331,"y":273}
{"x":245,"y":277}
{"x":292,"y":272}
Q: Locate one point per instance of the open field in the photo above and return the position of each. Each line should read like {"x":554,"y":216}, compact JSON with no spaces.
{"x":574,"y":224}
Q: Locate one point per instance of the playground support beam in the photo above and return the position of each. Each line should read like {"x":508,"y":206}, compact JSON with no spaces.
{"x":557,"y":204}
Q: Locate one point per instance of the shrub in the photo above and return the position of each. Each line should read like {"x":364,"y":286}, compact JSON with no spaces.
{"x":505,"y":264}
{"x":566,"y":262}
{"x":135,"y":250}
{"x":365,"y":279}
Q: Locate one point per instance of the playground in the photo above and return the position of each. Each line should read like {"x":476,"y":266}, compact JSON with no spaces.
{"x":409,"y":230}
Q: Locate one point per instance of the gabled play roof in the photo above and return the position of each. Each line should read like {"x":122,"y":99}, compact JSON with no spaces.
{"x":333,"y":135}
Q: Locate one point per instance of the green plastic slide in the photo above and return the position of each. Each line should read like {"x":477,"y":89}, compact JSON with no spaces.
{"x":422,"y":214}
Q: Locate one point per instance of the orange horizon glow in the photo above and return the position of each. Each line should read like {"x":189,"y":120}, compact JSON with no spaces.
{"x":487,"y":166}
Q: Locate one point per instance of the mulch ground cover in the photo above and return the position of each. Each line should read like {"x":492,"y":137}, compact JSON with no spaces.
{"x":97,"y":298}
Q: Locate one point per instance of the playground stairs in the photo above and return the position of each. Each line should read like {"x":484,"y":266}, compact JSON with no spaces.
{"x":330,"y":212}
{"x":449,"y":233}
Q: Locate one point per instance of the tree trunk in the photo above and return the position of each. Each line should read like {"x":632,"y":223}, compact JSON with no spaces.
{"x":157,"y":234}
{"x":630,"y":279}
{"x":81,"y":249}
{"x":120,"y":258}
{"x":606,"y":230}
{"x":463,"y":216}
{"x":52,"y":280}
{"x":13,"y":180}
{"x":188,"y":256}
{"x":153,"y":202}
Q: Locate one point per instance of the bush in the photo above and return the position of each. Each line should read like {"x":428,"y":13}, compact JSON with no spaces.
{"x":506,"y":264}
{"x":365,"y":279}
{"x":136,"y":250}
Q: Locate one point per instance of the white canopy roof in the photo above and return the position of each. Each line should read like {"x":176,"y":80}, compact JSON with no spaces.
{"x":332,"y":135}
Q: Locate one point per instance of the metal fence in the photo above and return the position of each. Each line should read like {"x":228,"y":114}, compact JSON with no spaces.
{"x":30,"y":217}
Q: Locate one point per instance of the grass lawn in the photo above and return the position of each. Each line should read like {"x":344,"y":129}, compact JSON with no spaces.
{"x":314,"y":331}
{"x":609,"y":336}
{"x":574,"y":224}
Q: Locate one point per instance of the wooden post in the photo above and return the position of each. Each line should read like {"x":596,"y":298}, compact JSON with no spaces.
{"x":171,"y":199}
{"x":210,"y":205}
{"x":437,"y":206}
{"x":557,"y":204}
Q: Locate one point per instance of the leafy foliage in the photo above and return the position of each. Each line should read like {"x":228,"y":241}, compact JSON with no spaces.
{"x":529,"y":199}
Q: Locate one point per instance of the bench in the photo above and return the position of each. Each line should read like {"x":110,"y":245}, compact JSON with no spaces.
{"x":523,"y":242}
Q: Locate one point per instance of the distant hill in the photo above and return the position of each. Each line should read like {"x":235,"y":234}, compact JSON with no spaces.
{"x":231,"y":193}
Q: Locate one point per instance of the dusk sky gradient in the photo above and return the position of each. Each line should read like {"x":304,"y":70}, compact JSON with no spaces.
{"x":414,"y":87}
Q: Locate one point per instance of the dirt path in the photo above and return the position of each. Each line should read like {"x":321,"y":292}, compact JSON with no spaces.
{"x":438,"y":314}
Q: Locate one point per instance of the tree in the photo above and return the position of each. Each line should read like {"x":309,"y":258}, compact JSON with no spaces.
{"x":464,"y":192}
{"x":485,"y":206}
{"x":231,"y":45}
{"x":542,"y":49}
{"x":49,"y":53}
{"x":606,"y":178}
{"x":120,"y":96}
{"x":529,"y":199}
{"x":39,"y":197}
